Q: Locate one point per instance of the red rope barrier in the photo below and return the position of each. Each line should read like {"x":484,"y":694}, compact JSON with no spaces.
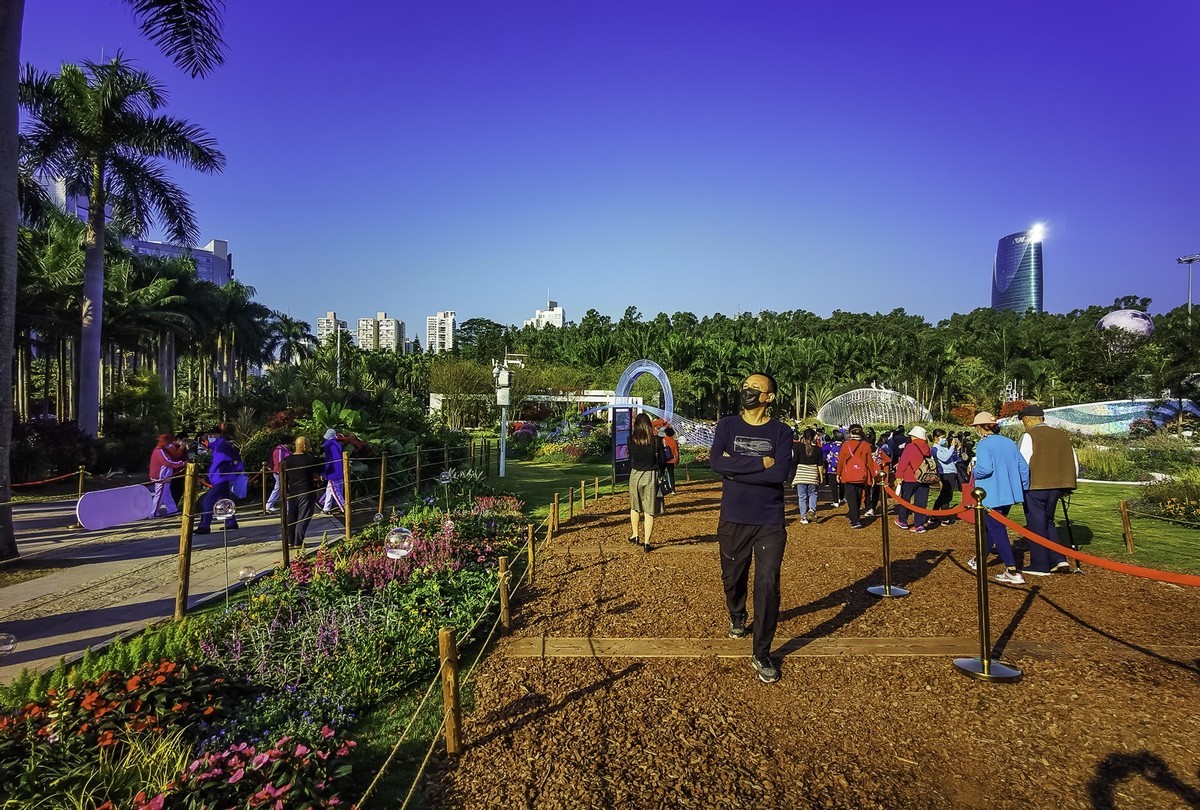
{"x":1066,"y":551}
{"x":959,"y":512}
{"x":1102,"y":562}
{"x":46,"y":481}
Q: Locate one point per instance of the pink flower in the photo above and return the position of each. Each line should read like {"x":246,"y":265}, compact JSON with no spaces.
{"x":343,"y":750}
{"x":283,"y":741}
{"x":237,"y":776}
{"x":326,"y":732}
{"x":302,"y":749}
{"x":259,"y":761}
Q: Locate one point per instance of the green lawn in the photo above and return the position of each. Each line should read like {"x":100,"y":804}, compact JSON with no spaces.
{"x":1096,"y":523}
{"x":535,"y":482}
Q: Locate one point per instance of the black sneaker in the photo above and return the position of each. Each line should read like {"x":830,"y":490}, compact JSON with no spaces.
{"x":737,"y":627}
{"x":766,"y":669}
{"x":635,"y":541}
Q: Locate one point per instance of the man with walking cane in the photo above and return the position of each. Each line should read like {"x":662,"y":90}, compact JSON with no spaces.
{"x":1053,"y":470}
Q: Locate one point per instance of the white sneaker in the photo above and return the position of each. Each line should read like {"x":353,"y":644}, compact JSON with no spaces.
{"x":1010,"y":578}
{"x":974,"y":566}
{"x":869,"y":513}
{"x":804,"y":521}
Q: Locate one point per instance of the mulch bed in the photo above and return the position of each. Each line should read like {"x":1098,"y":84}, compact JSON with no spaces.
{"x":1108,"y":718}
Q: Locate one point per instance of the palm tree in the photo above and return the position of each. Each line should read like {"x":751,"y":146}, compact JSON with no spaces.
{"x":294,"y":340}
{"x":189,"y":31}
{"x":96,"y":125}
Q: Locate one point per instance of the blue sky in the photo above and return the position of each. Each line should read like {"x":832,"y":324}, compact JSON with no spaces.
{"x":700,"y":156}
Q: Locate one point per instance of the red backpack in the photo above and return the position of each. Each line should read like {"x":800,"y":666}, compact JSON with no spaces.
{"x":859,"y":467}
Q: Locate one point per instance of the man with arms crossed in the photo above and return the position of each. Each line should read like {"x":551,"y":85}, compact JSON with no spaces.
{"x":752,"y":452}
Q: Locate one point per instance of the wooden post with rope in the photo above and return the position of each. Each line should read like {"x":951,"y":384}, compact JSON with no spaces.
{"x":582,"y":494}
{"x":505,"y":615}
{"x":448,"y":650}
{"x":1126,"y":526}
{"x":183,"y":579}
{"x":382,"y":481}
{"x":283,"y":519}
{"x":571,"y":504}
{"x":346,"y":491}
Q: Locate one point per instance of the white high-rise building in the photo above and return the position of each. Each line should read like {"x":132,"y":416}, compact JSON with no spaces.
{"x":214,"y":262}
{"x":381,"y":333}
{"x":552,"y":315}
{"x":439,"y":332}
{"x":328,"y":326}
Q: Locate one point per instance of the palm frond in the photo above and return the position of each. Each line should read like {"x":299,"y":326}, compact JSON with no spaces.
{"x":188,"y":31}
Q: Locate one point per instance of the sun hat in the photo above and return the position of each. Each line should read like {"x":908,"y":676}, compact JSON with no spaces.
{"x":329,"y":434}
{"x":983,"y":418}
{"x":918,"y":432}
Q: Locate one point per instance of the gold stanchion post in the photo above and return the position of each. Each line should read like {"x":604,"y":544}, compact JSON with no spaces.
{"x":984,"y":668}
{"x":449,"y":656}
{"x":183,"y":580}
{"x":886,"y":590}
{"x":505,"y":615}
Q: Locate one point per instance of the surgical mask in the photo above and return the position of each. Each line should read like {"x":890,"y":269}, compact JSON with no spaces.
{"x":941,"y":442}
{"x":750,"y":398}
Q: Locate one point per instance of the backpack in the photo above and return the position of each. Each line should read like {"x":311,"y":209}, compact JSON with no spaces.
{"x":927,"y":473}
{"x":858,"y":465}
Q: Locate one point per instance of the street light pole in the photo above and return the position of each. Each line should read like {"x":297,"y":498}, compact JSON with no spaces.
{"x":1189,"y":261}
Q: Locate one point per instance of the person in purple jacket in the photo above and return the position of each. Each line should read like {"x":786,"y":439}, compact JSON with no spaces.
{"x":752,"y":453}
{"x":222,"y":470}
{"x":334,"y":481}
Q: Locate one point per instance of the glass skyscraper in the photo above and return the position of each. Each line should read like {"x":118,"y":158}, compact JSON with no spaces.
{"x":1017,"y":272}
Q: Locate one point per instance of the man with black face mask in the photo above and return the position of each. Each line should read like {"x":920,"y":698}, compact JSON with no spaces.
{"x":752,"y":454}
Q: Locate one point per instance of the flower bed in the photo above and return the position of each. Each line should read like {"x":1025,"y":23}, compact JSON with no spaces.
{"x":256,"y":706}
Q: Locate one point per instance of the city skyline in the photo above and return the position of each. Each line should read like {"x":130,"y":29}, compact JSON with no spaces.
{"x":683,"y":156}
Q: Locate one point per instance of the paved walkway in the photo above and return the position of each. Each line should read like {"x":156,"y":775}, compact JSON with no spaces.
{"x":105,"y":584}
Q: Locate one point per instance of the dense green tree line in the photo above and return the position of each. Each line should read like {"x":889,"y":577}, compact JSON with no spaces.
{"x":976,"y":357}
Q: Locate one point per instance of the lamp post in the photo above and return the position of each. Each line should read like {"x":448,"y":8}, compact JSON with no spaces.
{"x":503,"y":378}
{"x":1189,"y":261}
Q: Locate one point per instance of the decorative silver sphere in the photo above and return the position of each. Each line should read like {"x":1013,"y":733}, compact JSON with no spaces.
{"x":224,"y":509}
{"x":399,"y":543}
{"x":8,"y":643}
{"x":247,"y":573}
{"x":378,"y":517}
{"x":445,"y":477}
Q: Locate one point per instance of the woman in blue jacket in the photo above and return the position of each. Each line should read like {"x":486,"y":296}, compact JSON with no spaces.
{"x":947,"y":456}
{"x":1003,"y":474}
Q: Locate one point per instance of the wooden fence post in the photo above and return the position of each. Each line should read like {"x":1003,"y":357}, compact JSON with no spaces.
{"x":264,"y":486}
{"x":449,"y":656}
{"x":532,"y":552}
{"x":556,"y":507}
{"x":446,"y":456}
{"x":596,"y":489}
{"x":382,"y":481}
{"x":185,"y":540}
{"x":570,"y":504}
{"x":283,"y":520}
{"x":346,"y":490}
{"x":1126,"y":526}
{"x":417,"y":486}
{"x":583,"y":494}
{"x":505,"y":615}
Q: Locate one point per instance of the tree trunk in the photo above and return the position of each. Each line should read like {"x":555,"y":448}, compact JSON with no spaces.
{"x":92,"y":318}
{"x":11,"y":13}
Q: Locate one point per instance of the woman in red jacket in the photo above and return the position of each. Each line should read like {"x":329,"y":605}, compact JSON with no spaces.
{"x":912,"y":490}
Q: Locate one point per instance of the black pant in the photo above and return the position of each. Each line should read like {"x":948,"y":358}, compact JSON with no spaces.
{"x":916,"y":494}
{"x":946,"y":493}
{"x":738,"y":543}
{"x":1039,"y":519}
{"x":837,"y":490}
{"x":854,"y":494}
{"x":299,"y":513}
{"x":669,"y":472}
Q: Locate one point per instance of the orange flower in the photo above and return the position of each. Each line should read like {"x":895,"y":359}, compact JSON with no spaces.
{"x":133,"y":683}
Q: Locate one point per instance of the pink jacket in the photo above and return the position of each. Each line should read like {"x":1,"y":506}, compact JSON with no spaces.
{"x":159,"y":459}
